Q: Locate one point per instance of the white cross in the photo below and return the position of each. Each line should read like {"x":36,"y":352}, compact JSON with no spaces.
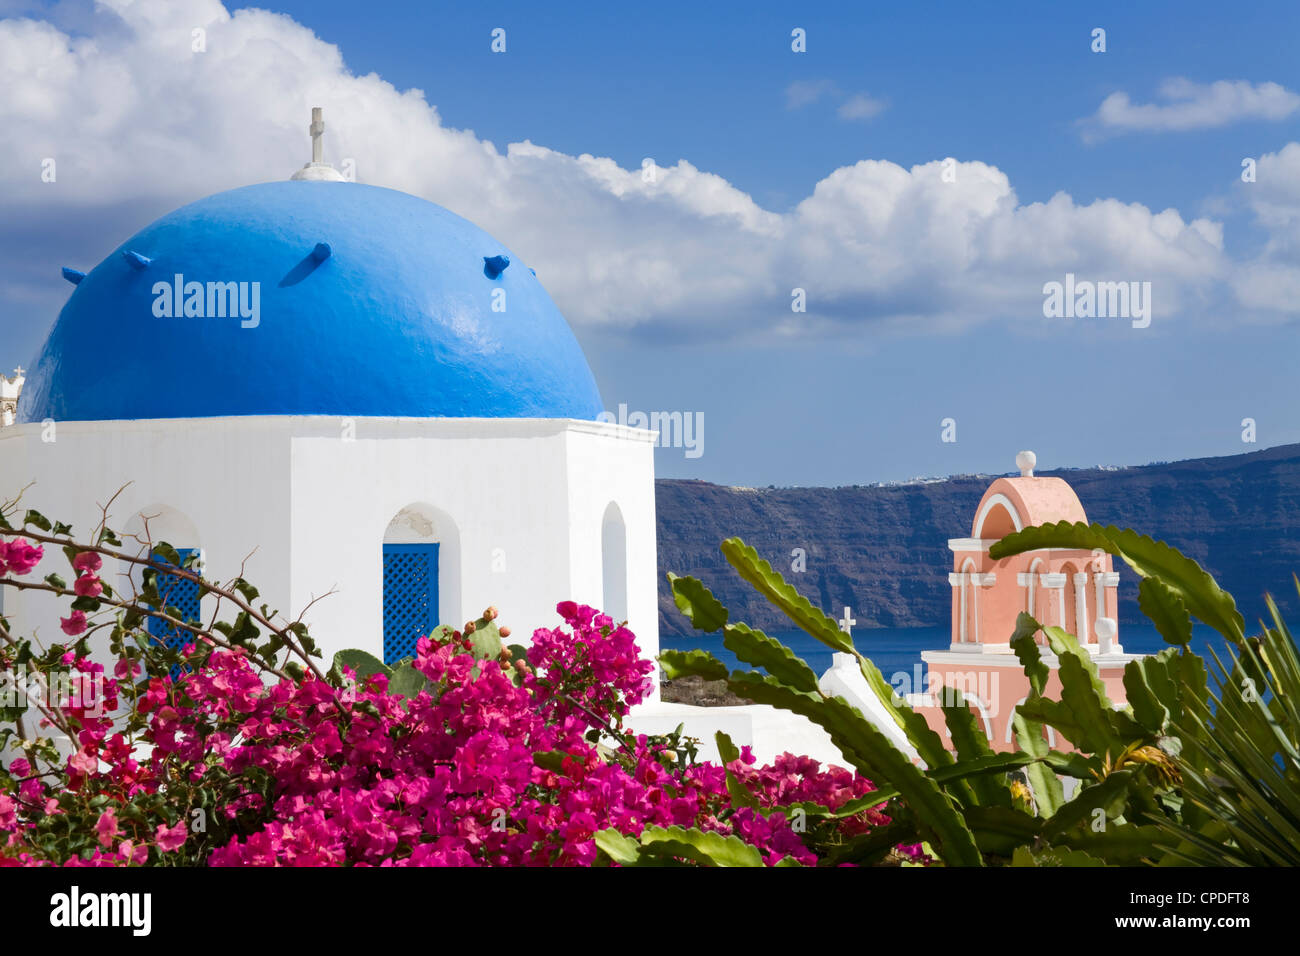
{"x":846,"y":624}
{"x":317,"y":129}
{"x":19,"y":370}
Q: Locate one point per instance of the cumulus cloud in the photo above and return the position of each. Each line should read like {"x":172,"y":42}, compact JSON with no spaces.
{"x":138,"y":124}
{"x":1186,"y":105}
{"x":1270,"y":282}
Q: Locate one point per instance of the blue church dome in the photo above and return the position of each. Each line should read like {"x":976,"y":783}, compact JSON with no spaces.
{"x":310,"y":298}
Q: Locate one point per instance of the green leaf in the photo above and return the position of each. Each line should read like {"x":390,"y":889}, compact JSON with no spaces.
{"x":780,"y":593}
{"x":971,"y":744}
{"x":1053,"y":856}
{"x":1026,"y":651}
{"x":1053,"y":713}
{"x":1152,"y":690}
{"x":360,"y":661}
{"x":1110,"y":796}
{"x":692,"y":664}
{"x":1090,"y":711}
{"x":1165,"y":608}
{"x":1120,"y":844}
{"x":37,"y":519}
{"x":485,"y":642}
{"x":999,"y":830}
{"x":704,"y":847}
{"x":697,"y":602}
{"x":756,"y":648}
{"x":406,"y":681}
{"x":1198,"y":591}
{"x":1046,"y":786}
{"x":623,"y":850}
{"x":166,"y":554}
{"x":741,"y":795}
{"x":869,"y":848}
{"x":870,"y":751}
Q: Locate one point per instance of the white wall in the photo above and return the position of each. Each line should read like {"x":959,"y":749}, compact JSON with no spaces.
{"x":518,"y":504}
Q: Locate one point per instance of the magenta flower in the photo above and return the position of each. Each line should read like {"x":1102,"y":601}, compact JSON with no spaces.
{"x":88,"y":586}
{"x":87,"y":561}
{"x":106,"y":827}
{"x":19,"y":557}
{"x":171,"y":838}
{"x":74,"y":624}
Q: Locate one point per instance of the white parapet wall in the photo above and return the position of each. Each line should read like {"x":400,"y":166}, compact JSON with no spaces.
{"x":526,"y":512}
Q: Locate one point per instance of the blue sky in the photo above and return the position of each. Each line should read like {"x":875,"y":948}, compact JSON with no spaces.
{"x":898,"y":336}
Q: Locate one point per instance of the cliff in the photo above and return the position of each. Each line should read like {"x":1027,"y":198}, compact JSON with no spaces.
{"x":882,"y":549}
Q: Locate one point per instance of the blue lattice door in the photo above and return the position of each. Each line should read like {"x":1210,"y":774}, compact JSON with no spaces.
{"x":410,"y":597}
{"x":180,"y":593}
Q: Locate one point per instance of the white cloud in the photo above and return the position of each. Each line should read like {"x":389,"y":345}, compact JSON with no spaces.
{"x":1187,"y":105}
{"x":139,"y":123}
{"x":860,"y":106}
{"x":1270,"y":282}
{"x":803,"y":93}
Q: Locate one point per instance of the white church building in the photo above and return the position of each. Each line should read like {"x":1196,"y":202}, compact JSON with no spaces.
{"x":338,"y":388}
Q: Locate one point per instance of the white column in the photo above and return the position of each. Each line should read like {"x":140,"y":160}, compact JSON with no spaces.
{"x":1056,"y":582}
{"x":980,"y":581}
{"x":1026,"y":581}
{"x":1104,"y":580}
{"x":1081,"y":606}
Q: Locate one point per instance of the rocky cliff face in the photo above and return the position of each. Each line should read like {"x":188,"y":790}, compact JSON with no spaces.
{"x":883,"y":550}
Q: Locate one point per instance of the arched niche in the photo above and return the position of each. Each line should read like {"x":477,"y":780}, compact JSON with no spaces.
{"x":613,"y":553}
{"x":1071,"y":622}
{"x":421,"y":576}
{"x":997,"y":519}
{"x":970,"y":615}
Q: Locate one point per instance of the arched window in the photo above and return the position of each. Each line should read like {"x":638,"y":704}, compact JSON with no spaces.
{"x":421,"y":569}
{"x":613,"y":550}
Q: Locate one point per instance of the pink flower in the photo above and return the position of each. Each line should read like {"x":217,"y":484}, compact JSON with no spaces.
{"x":106,"y":827}
{"x":88,"y":586}
{"x":87,"y":561}
{"x":126,"y":668}
{"x":8,"y":812}
{"x":171,"y":838}
{"x":74,"y":624}
{"x":83,"y":762}
{"x":18,"y":556}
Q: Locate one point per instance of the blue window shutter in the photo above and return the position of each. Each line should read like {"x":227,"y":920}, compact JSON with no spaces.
{"x":410,"y":597}
{"x":180,"y":593}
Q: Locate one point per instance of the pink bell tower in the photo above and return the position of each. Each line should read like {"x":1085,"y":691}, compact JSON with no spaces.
{"x":1073,"y":589}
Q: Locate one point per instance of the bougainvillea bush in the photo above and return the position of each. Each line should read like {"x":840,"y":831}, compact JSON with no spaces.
{"x":230,"y":746}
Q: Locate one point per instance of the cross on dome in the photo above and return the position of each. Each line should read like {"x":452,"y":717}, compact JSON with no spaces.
{"x":318,"y":170}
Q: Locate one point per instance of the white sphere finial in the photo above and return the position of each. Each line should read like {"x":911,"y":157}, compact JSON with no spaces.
{"x":1025,"y":461}
{"x":1105,"y":629}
